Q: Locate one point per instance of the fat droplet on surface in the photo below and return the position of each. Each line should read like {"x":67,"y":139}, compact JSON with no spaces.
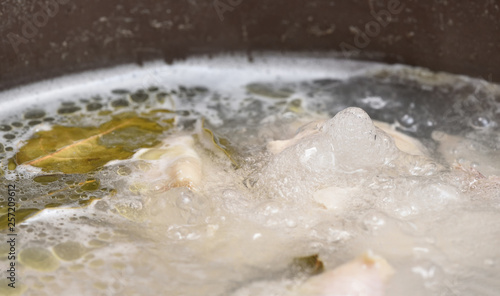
{"x":39,"y":259}
{"x":69,"y":251}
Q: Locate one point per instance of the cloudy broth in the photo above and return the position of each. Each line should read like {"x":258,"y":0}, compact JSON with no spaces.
{"x":161,"y":180}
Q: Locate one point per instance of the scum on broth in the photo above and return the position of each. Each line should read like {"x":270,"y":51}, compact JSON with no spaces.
{"x":119,"y":229}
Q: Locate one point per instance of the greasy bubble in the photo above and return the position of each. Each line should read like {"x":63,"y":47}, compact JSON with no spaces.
{"x":120,"y":103}
{"x":39,"y":259}
{"x":69,"y":251}
{"x":34,"y":114}
{"x":139,"y":97}
{"x":5,"y":128}
{"x":69,"y":109}
{"x":94,"y":107}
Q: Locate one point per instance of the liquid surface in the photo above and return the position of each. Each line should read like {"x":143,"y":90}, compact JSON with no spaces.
{"x":171,"y":180}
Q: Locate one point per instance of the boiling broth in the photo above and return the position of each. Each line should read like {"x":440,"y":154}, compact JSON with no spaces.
{"x":123,"y":228}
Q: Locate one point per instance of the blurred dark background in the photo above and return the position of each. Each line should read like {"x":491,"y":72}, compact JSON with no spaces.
{"x":46,"y":38}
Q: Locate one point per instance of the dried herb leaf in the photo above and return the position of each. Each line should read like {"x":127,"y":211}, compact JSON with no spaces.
{"x":86,"y":202}
{"x":157,"y":111}
{"x":220,"y":143}
{"x":46,"y":202}
{"x":295,"y":106}
{"x":21,"y":215}
{"x":4,"y":207}
{"x":309,"y":265}
{"x":91,"y":185}
{"x":11,"y":165}
{"x":81,"y":150}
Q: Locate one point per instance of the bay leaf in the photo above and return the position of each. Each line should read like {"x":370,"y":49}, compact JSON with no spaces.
{"x":308,"y":265}
{"x":220,"y":143}
{"x":79,"y":150}
{"x":20,"y":215}
{"x":45,"y":202}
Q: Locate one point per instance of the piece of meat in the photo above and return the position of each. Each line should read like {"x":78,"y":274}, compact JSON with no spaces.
{"x":366,"y":275}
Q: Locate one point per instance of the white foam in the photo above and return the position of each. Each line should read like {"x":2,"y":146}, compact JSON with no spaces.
{"x":198,"y":71}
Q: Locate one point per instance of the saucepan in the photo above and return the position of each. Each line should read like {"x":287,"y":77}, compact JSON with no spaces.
{"x":237,"y":147}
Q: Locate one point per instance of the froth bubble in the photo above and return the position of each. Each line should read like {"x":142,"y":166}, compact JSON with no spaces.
{"x":407,"y":120}
{"x":480,"y":122}
{"x":357,"y":142}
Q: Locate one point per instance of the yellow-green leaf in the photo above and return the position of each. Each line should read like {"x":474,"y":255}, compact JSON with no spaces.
{"x":20,"y":216}
{"x":220,"y":143}
{"x":73,"y":150}
{"x":309,"y":265}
